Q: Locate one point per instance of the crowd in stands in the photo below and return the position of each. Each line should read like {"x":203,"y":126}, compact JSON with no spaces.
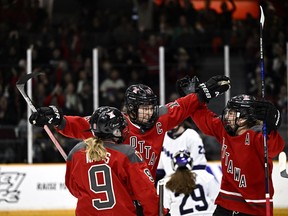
{"x":128,"y":43}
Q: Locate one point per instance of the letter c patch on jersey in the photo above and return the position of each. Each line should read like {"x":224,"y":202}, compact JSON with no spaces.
{"x":159,"y":128}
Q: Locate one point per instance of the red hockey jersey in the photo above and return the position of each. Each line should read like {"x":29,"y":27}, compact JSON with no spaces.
{"x":242,"y":161}
{"x":105,"y":187}
{"x":148,"y":143}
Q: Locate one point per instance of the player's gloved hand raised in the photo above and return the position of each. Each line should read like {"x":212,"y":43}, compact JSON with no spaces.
{"x":214,"y":87}
{"x":187,"y":85}
{"x":266,"y":111}
{"x":46,"y":115}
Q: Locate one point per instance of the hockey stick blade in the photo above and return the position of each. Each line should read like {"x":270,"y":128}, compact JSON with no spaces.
{"x":23,"y":80}
{"x":262,"y":17}
{"x":20,"y":86}
{"x":282,"y":164}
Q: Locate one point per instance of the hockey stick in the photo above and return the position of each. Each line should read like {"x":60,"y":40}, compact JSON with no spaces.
{"x":161,"y":196}
{"x":267,"y":190}
{"x":20,"y":86}
{"x":282,"y":164}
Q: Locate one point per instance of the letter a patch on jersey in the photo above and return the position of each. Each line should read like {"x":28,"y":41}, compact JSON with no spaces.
{"x":247,"y":139}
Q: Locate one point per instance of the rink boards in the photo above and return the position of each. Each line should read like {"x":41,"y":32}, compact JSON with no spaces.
{"x":40,"y":190}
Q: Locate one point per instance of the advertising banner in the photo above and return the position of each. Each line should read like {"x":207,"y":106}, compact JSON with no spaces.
{"x":32,"y":187}
{"x":42,"y":187}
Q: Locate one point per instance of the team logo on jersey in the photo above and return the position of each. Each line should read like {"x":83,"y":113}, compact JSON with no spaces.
{"x":159,"y":128}
{"x":111,"y":114}
{"x":135,"y":90}
{"x":246,"y":97}
{"x":9,"y":189}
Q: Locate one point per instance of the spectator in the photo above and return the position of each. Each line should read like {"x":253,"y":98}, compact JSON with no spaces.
{"x":86,"y":97}
{"x":72,"y":101}
{"x":149,"y":48}
{"x":55,"y":97}
{"x":226,"y":21}
{"x":144,"y":14}
{"x":112,"y":89}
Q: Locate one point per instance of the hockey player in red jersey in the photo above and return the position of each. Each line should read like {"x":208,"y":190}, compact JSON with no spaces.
{"x":147,"y":121}
{"x":102,"y":174}
{"x":239,"y":131}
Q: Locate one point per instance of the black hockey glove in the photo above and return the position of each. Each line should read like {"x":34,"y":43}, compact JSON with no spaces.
{"x":46,"y":115}
{"x":214,"y":87}
{"x":266,"y":111}
{"x":187,"y":85}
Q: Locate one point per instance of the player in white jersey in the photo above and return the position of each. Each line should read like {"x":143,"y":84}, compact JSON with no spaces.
{"x":188,"y":192}
{"x":181,"y":138}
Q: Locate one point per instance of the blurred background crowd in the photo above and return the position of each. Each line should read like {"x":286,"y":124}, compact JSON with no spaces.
{"x":128,"y":34}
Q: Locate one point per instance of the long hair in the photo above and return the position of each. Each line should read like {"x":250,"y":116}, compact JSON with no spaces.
{"x":95,"y":149}
{"x":182,"y":181}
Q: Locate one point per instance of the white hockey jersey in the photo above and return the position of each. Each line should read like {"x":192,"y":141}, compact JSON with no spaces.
{"x":189,"y":140}
{"x":199,"y":202}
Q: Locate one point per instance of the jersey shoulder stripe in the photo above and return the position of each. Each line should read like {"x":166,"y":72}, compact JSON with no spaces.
{"x":256,"y":128}
{"x":162,"y":110}
{"x":77,"y":147}
{"x":126,"y":150}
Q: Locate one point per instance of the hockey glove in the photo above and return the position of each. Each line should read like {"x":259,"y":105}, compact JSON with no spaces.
{"x":266,"y":111}
{"x":46,"y":115}
{"x":187,"y":85}
{"x":214,"y":87}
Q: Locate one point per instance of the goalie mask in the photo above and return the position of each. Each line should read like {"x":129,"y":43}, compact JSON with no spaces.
{"x":182,"y":159}
{"x":137,"y":95}
{"x":239,"y":112}
{"x":109,"y":123}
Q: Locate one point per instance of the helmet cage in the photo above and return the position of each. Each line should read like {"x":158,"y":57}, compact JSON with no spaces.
{"x":182,"y":159}
{"x":242,"y":105}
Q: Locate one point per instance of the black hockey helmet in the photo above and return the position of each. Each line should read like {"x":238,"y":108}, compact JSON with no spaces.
{"x":137,"y":95}
{"x":108,"y":122}
{"x":243,"y":106}
{"x":182,"y":159}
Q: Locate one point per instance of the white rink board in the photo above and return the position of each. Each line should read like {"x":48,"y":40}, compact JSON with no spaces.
{"x":41,"y":187}
{"x":34,"y":187}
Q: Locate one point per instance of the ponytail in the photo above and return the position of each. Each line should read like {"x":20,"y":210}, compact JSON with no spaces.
{"x":95,"y":149}
{"x":183,"y":181}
